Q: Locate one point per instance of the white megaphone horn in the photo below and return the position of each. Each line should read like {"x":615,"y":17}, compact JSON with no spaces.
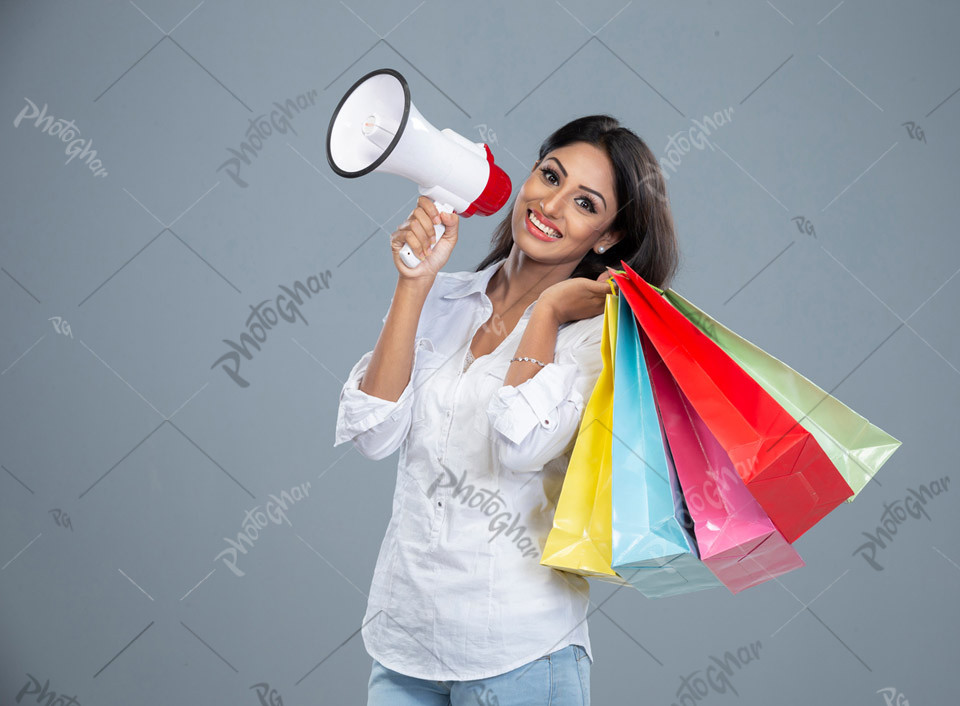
{"x":376,"y":127}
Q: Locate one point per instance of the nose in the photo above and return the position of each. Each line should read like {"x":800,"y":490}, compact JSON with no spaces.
{"x":550,"y":206}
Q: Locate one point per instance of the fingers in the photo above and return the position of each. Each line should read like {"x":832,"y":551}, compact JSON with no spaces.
{"x":417,"y":231}
{"x":427,"y":215}
{"x":423,"y":225}
{"x":608,"y":276}
{"x":448,"y":219}
{"x":410,"y":233}
{"x":605,"y":276}
{"x":429,"y":207}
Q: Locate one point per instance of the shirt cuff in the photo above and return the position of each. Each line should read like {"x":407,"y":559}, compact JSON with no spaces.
{"x":360,"y":411}
{"x":518,"y":410}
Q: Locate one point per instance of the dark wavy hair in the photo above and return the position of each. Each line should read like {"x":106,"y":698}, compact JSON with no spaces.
{"x":649,"y":243}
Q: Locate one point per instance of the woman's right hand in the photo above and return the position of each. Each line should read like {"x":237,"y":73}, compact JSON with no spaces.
{"x":417,"y":232}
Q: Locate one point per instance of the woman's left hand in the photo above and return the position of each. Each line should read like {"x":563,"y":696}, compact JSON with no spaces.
{"x":576,"y":298}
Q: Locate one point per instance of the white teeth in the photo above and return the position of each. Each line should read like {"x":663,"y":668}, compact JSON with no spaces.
{"x":549,"y":231}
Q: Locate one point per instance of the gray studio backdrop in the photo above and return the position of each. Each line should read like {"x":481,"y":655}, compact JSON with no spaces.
{"x":175,"y":526}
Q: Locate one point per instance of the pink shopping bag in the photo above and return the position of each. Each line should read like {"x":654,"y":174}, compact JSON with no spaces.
{"x":737,"y":540}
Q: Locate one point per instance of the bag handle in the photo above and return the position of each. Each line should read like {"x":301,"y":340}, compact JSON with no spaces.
{"x":624,"y":272}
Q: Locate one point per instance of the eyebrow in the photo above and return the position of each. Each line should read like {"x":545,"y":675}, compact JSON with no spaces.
{"x":586,"y":188}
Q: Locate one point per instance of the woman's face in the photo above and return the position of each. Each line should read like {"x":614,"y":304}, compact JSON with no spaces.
{"x":575,"y":185}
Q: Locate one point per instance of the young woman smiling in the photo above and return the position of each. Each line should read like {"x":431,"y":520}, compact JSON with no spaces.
{"x":480,"y":379}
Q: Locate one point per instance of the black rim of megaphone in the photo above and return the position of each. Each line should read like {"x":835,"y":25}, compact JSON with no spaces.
{"x":396,"y":138}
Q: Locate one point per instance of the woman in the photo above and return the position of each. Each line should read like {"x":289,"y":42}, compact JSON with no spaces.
{"x":480,"y":379}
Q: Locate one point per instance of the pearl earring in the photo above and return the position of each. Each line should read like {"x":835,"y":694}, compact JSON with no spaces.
{"x":601,"y":249}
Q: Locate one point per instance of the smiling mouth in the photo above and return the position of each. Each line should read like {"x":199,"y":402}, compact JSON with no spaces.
{"x":546,"y":230}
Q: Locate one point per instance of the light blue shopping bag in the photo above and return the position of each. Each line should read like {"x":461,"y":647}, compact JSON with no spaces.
{"x":653,"y":543}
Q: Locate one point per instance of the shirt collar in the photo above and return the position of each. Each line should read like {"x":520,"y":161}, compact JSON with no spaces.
{"x":470,"y":282}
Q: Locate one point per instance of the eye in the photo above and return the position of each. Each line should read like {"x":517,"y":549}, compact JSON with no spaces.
{"x":589,"y":204}
{"x":590,"y":207}
{"x":547,"y":170}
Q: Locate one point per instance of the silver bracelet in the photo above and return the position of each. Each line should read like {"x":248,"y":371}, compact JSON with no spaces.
{"x":532,"y":360}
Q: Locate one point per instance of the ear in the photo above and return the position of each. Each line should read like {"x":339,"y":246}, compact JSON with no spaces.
{"x":610,"y":238}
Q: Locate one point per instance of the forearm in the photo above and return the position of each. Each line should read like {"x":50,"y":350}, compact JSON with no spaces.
{"x":389,"y":370}
{"x":539,"y":341}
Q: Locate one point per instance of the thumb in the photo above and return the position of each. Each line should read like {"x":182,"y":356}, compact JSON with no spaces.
{"x":451,"y":221}
{"x":606,"y":274}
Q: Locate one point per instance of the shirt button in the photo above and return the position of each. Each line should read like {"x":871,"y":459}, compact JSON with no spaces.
{"x":546,"y":421}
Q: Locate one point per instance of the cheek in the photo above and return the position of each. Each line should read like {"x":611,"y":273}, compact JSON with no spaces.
{"x":522,"y":195}
{"x":580,"y":228}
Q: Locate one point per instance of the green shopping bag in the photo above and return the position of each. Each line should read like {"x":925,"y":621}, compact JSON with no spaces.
{"x":855,"y":446}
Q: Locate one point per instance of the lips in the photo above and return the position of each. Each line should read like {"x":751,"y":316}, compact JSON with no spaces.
{"x":545,"y":221}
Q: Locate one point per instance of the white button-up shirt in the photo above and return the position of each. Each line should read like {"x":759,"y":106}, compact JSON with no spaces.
{"x":458,"y":591}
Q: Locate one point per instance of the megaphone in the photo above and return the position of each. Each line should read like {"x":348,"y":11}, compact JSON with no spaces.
{"x":376,"y":127}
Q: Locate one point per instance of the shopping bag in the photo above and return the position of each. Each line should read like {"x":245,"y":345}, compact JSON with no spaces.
{"x":735,"y":538}
{"x":781,"y":463}
{"x":580,"y":540}
{"x":653,"y":543}
{"x":855,"y":446}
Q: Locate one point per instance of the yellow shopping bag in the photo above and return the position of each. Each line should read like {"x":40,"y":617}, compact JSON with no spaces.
{"x":581,"y":539}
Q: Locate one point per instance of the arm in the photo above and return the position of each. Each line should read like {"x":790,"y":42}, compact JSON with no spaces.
{"x":539,"y":341}
{"x":536,"y":419}
{"x":388,"y":373}
{"x":376,"y":400}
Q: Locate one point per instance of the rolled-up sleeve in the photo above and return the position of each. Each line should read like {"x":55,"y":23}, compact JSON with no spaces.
{"x":376,"y":426}
{"x":537,"y":420}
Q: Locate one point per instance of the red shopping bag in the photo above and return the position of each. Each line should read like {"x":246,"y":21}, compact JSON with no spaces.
{"x":737,"y":541}
{"x":781,"y":463}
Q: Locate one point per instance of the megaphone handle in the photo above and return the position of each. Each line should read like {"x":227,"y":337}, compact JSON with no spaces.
{"x":406,"y":253}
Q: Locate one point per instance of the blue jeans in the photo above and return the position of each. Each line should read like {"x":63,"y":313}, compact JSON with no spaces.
{"x":561,"y":678}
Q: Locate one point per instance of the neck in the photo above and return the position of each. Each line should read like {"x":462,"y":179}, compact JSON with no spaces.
{"x":521,"y":280}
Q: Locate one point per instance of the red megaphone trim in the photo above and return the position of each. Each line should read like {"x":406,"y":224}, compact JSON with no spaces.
{"x":494,"y":194}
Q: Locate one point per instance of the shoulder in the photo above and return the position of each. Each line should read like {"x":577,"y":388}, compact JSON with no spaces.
{"x":444,"y":283}
{"x":450,"y":283}
{"x":445,"y":299}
